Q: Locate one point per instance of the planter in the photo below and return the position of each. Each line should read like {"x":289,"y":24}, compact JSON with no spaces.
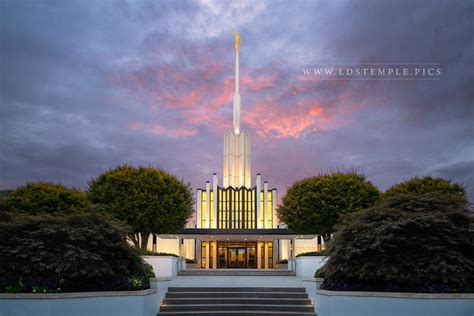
{"x":318,"y":281}
{"x":305,"y":266}
{"x":165,"y":266}
{"x":346,"y":303}
{"x":113,"y":303}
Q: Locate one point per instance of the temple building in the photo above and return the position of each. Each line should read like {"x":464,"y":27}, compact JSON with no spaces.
{"x":236,"y":225}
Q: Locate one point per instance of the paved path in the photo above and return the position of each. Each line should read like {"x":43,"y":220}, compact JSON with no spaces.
{"x":237,"y":281}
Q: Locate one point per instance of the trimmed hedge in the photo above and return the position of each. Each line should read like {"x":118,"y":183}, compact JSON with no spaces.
{"x":44,"y":197}
{"x":408,"y":243}
{"x":146,"y":252}
{"x":68,"y":253}
{"x":313,"y":253}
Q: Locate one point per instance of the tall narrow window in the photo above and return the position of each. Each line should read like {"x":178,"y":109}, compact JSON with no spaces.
{"x":270,"y":209}
{"x":211,"y":214}
{"x":270,"y":255}
{"x":204,"y":209}
{"x":203,"y":255}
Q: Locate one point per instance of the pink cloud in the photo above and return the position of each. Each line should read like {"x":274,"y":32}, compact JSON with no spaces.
{"x":184,"y":100}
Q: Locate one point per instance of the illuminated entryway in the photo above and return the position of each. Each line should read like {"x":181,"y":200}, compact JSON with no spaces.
{"x":237,"y":255}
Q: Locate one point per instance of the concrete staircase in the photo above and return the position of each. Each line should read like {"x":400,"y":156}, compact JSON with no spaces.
{"x":247,"y":301}
{"x":237,"y":272}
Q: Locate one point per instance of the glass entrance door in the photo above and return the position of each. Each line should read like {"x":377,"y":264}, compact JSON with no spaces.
{"x":241,"y":258}
{"x":232,"y":262}
{"x":237,"y":258}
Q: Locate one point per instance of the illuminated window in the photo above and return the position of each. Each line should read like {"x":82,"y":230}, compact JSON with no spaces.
{"x":236,"y":208}
{"x":262,"y":209}
{"x":211,"y":215}
{"x":269,"y":209}
{"x":204,"y":209}
{"x":203,"y":254}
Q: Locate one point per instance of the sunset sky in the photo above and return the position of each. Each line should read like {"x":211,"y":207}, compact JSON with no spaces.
{"x":89,"y":85}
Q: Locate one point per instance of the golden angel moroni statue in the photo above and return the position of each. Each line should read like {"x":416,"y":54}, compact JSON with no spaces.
{"x":237,"y":40}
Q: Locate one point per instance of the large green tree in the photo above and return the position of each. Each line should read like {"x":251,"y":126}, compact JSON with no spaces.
{"x":408,"y":242}
{"x":44,"y":197}
{"x":149,"y":200}
{"x":315,"y":205}
{"x":429,"y":185}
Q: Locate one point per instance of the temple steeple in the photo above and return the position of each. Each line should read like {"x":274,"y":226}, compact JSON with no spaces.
{"x":237,"y":142}
{"x":237,"y":94}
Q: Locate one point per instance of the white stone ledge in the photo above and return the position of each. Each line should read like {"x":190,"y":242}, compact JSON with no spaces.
{"x":75,"y":294}
{"x":398,"y":294}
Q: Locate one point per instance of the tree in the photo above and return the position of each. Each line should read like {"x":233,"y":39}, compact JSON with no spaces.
{"x":149,"y":200}
{"x":315,"y":205}
{"x":408,"y":243}
{"x":44,"y":197}
{"x":4,"y":193}
{"x":427,"y":185}
{"x":81,"y":251}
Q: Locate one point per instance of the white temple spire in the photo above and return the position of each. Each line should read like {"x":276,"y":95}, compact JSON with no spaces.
{"x":237,"y":94}
{"x":236,"y":142}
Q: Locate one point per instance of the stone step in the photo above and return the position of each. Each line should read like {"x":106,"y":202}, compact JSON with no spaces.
{"x":243,"y":272}
{"x":236,"y":307}
{"x":292,"y":295}
{"x":237,"y":289}
{"x":233,"y":301}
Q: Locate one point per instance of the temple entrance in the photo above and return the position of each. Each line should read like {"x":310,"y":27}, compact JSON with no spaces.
{"x":237,"y":258}
{"x":236,"y":255}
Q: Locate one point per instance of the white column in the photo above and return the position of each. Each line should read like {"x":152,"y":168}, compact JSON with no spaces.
{"x":246,"y":157}
{"x":259,"y":188}
{"x":226,"y":170}
{"x":293,"y":251}
{"x":274,"y":201}
{"x":184,"y":248}
{"x":198,"y":208}
{"x":259,"y":255}
{"x":265,"y":202}
{"x":214,"y":255}
{"x":198,"y":253}
{"x":214,"y":202}
{"x":289,"y":248}
{"x":266,"y":255}
{"x":207,"y":255}
{"x":179,"y":246}
{"x":208,"y":204}
{"x":275,"y":253}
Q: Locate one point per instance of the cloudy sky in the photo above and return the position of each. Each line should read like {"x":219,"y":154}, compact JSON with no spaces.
{"x":88,"y":85}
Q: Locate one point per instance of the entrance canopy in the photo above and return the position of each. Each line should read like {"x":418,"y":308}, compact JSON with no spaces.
{"x":237,"y":234}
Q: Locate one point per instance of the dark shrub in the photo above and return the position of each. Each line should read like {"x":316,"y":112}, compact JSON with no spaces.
{"x":409,"y":242}
{"x":429,"y":185}
{"x":284,"y":261}
{"x":68,"y":253}
{"x":320,"y":273}
{"x":44,"y":197}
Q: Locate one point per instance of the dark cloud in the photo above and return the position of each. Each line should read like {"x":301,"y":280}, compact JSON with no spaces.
{"x":89,"y":85}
